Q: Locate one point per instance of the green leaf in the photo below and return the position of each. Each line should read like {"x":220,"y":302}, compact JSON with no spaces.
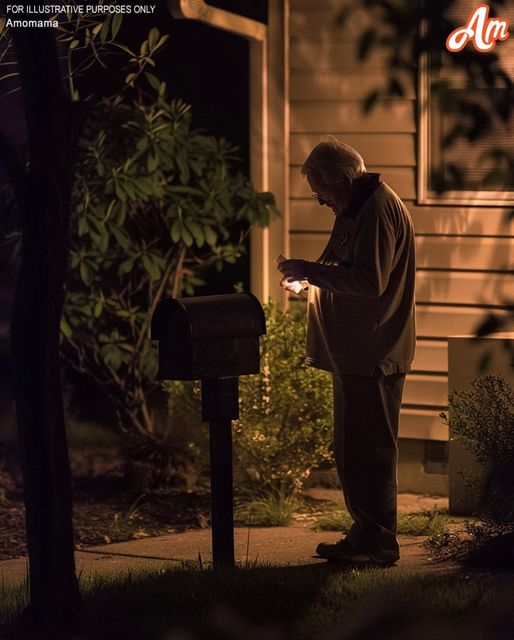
{"x":152,"y":80}
{"x":151,"y":364}
{"x":197,"y":232}
{"x":74,"y":44}
{"x":126,"y":266}
{"x":116,"y":24}
{"x":161,"y":41}
{"x":129,"y":188}
{"x":267,"y":197}
{"x":152,"y":162}
{"x":98,"y":309}
{"x":110,"y":209}
{"x":150,"y":267}
{"x":103,"y":245}
{"x":153,"y":38}
{"x":105,"y":29}
{"x":178,"y":188}
{"x":125,"y":346}
{"x":83,"y":226}
{"x":122,"y":212}
{"x":65,"y":328}
{"x":122,"y":237}
{"x":176,"y":231}
{"x":187,"y":237}
{"x":210,"y":236}
{"x":86,"y":274}
{"x":120,"y":193}
{"x":142,"y":145}
{"x":184,"y":169}
{"x":111,"y":356}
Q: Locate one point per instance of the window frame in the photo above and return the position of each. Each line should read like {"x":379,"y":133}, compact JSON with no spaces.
{"x":427,"y":196}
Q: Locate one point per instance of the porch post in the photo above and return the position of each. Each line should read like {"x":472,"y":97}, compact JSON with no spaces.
{"x":269,"y":148}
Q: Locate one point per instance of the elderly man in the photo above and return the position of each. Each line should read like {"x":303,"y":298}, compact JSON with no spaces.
{"x":361,"y":328}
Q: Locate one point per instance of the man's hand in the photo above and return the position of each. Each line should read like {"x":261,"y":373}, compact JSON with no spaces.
{"x":294,"y":269}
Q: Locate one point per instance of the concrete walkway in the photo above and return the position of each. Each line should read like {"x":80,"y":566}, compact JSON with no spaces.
{"x":294,"y":544}
{"x":269,"y":545}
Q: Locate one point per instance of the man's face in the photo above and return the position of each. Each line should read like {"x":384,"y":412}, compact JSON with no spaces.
{"x":334,"y":196}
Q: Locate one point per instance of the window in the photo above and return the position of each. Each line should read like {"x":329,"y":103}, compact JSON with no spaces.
{"x":466,"y":146}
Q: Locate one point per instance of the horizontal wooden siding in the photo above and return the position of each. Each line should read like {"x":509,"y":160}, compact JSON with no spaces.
{"x":465,"y":254}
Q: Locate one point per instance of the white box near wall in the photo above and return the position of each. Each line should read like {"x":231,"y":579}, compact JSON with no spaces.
{"x":470,"y":357}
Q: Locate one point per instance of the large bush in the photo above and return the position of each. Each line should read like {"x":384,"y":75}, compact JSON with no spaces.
{"x":156,"y":203}
{"x":483,"y":420}
{"x":285,"y":425}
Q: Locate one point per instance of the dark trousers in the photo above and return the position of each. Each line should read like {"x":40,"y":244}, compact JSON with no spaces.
{"x":366,"y":416}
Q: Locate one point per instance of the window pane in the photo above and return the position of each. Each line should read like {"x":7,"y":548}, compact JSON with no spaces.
{"x":480,"y":163}
{"x":469,"y":125}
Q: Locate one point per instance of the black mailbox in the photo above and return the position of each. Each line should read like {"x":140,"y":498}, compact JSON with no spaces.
{"x":214,"y":339}
{"x":208,"y":336}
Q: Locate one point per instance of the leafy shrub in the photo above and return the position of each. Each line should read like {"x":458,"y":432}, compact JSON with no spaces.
{"x":483,"y":419}
{"x":483,"y":543}
{"x":155,"y":204}
{"x":285,"y":425}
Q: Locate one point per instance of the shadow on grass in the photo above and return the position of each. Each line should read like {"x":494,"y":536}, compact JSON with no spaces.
{"x":186,"y":599}
{"x":293,"y":602}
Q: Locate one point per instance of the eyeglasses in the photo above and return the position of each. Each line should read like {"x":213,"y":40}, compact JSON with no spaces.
{"x":320,"y":197}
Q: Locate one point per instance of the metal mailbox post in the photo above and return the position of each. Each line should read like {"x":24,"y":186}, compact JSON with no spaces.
{"x":214,"y":339}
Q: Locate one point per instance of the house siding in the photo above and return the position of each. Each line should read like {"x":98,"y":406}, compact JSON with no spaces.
{"x":465,"y":254}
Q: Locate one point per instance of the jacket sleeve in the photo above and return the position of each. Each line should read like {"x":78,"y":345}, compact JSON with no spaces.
{"x":368,"y":274}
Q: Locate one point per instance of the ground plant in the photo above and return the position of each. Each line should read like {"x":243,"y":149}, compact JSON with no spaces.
{"x":421,"y":523}
{"x":482,"y":418}
{"x":155,"y":204}
{"x":274,"y":509}
{"x":285,"y":425}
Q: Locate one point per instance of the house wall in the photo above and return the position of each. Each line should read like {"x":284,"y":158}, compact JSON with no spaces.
{"x":464,"y":253}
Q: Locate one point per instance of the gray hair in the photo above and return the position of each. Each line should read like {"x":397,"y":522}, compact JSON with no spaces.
{"x":333,"y":161}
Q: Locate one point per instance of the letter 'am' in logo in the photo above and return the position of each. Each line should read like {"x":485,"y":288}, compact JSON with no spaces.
{"x":481,"y":30}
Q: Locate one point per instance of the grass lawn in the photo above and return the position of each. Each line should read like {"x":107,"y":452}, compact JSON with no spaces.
{"x":297,"y":602}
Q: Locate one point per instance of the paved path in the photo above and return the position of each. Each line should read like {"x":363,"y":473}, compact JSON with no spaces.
{"x":275,"y":545}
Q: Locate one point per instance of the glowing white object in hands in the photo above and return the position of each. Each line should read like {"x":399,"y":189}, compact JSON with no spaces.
{"x":297,"y":286}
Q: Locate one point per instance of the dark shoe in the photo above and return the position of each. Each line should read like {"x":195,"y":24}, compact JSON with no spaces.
{"x":325,"y":549}
{"x":358,"y":558}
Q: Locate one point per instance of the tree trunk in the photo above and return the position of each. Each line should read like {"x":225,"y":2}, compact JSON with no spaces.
{"x":45,"y":211}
